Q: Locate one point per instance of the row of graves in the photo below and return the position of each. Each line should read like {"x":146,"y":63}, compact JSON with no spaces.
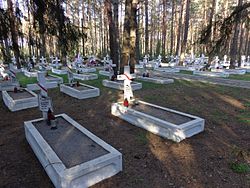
{"x":82,"y":159}
{"x":198,"y":65}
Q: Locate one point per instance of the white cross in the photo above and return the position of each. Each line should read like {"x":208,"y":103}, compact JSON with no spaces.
{"x":43,"y":87}
{"x":128,"y":92}
{"x":34,"y":59}
{"x":43,"y":60}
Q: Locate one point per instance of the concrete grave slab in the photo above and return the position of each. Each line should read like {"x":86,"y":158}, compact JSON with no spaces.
{"x":54,"y":78}
{"x":8,"y":85}
{"x":211,"y":74}
{"x":230,"y":71}
{"x":35,"y":87}
{"x":59,"y":71}
{"x":84,"y":91}
{"x":157,"y":80}
{"x":120,"y":85}
{"x":104,"y":73}
{"x":86,"y":76}
{"x":173,"y":70}
{"x":21,"y":100}
{"x":29,"y":74}
{"x":71,"y":155}
{"x":165,"y":122}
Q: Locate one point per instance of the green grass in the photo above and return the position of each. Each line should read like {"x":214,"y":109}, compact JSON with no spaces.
{"x":186,"y":72}
{"x":24,"y":80}
{"x":240,"y":167}
{"x":245,"y":77}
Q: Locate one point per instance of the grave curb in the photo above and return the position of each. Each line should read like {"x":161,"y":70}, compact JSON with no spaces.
{"x":157,"y":126}
{"x":84,"y":94}
{"x":20,"y":104}
{"x":82,"y":175}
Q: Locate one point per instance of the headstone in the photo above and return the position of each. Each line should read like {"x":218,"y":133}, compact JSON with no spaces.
{"x":13,"y":59}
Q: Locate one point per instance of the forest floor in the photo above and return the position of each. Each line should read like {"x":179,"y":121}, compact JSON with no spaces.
{"x":217,"y":157}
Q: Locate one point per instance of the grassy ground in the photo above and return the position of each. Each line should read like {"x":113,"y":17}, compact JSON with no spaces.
{"x":24,"y":80}
{"x":245,"y":77}
{"x":186,"y":72}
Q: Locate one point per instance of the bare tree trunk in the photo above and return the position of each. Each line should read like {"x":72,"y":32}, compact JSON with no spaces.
{"x":14,"y":35}
{"x":172,"y":28}
{"x":234,"y":44}
{"x":126,"y":36}
{"x":133,"y":27}
{"x":179,"y":29}
{"x":146,"y":27}
{"x":186,"y":27}
{"x":112,"y":34}
{"x":164,"y":29}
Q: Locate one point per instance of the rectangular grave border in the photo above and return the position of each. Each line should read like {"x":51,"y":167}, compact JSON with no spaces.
{"x":20,"y":104}
{"x":35,"y":87}
{"x":158,"y":126}
{"x":59,"y":71}
{"x":29,"y":74}
{"x":8,"y":85}
{"x":104,"y":73}
{"x":171,"y":70}
{"x":87,"y":70}
{"x":59,"y":81}
{"x":87,"y":76}
{"x":156,"y":80}
{"x":211,"y":74}
{"x":120,"y":85}
{"x":84,"y":94}
{"x":230,"y":71}
{"x":82,"y":175}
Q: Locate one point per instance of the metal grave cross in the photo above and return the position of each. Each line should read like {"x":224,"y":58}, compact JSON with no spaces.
{"x":127,"y":78}
{"x":70,"y":76}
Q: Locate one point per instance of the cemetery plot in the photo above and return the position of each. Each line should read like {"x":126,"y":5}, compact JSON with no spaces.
{"x":7,"y":85}
{"x":86,"y":69}
{"x":173,"y":70}
{"x":230,"y":71}
{"x":104,"y":73}
{"x":54,"y":78}
{"x":86,"y":76}
{"x":157,"y":80}
{"x":211,"y":74}
{"x":22,"y":99}
{"x":161,"y":121}
{"x":59,"y":71}
{"x":119,"y":84}
{"x":30,"y":73}
{"x":82,"y":91}
{"x":79,"y":159}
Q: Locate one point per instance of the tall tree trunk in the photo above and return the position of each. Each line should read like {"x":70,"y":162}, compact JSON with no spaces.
{"x":172,"y":28}
{"x":179,"y":29}
{"x":116,"y":36}
{"x":125,"y":55}
{"x":186,"y":27}
{"x":146,"y":27}
{"x":112,"y":34}
{"x":133,"y":28}
{"x":234,"y":44}
{"x":14,"y":35}
{"x":164,"y":29}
